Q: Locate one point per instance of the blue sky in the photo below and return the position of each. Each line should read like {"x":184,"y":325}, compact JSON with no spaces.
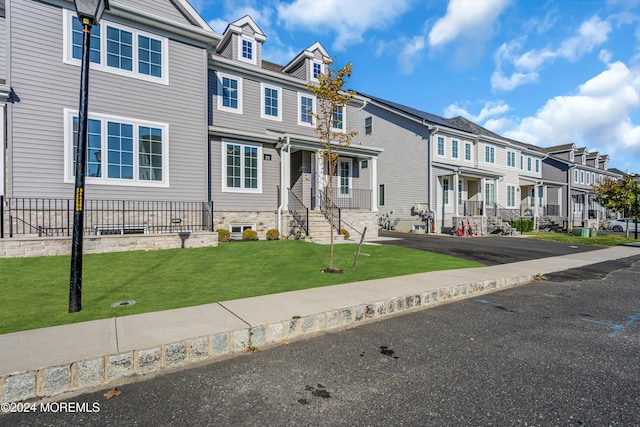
{"x":543,"y":72}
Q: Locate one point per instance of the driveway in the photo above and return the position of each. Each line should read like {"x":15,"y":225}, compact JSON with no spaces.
{"x":488,"y":250}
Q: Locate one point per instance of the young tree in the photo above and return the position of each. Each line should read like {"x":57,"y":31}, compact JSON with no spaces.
{"x":618,"y":195}
{"x":331,"y":100}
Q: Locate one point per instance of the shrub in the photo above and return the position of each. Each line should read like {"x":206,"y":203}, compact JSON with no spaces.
{"x":249,"y":234}
{"x":273,"y":234}
{"x":344,"y":232}
{"x":522,"y":224}
{"x":224,"y":235}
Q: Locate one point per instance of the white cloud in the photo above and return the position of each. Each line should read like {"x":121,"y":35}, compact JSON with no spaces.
{"x":408,"y":56}
{"x":597,"y":116}
{"x":591,"y":34}
{"x":465,"y":19}
{"x":349,"y":19}
{"x":488,"y":110}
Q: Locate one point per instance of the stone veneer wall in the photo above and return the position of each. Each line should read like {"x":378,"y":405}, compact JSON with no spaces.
{"x":32,"y":247}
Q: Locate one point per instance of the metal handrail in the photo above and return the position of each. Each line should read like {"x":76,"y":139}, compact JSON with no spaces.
{"x":326,"y":207}
{"x":297,"y":210}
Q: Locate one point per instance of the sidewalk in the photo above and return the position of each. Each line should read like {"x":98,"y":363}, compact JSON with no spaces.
{"x":51,"y":361}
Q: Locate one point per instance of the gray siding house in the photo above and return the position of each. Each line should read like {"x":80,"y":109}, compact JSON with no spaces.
{"x":265,"y":162}
{"x":147,"y":106}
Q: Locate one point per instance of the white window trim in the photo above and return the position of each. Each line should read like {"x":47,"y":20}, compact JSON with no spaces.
{"x":537,"y":165}
{"x":67,"y":50}
{"x":470,"y":159}
{"x":254,"y":52}
{"x":576,"y":176}
{"x":277,"y":118}
{"x":226,"y":189}
{"x":315,"y":61}
{"x":491,"y":149}
{"x":513,"y":191}
{"x":344,"y":119}
{"x":509,"y":154}
{"x":457,"y":141}
{"x":219,"y":92}
{"x":445,"y":193}
{"x":299,"y":110}
{"x":350,"y":184}
{"x":529,"y":164}
{"x":69,"y":154}
{"x":444,"y":147}
{"x":370,"y":118}
{"x":581,"y":177}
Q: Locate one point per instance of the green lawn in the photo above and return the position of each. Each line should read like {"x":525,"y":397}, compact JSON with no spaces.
{"x":599,"y":240}
{"x":35,"y":291}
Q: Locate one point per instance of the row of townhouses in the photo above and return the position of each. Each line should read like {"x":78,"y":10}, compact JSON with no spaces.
{"x":180,"y":114}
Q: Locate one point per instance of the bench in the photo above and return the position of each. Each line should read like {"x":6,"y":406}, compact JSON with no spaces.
{"x":107,"y":229}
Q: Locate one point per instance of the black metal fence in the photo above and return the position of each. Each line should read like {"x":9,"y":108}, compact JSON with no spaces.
{"x":22,"y":217}
{"x":352,"y":198}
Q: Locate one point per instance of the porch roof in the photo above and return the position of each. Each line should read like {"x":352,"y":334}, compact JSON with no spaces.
{"x":524,"y":181}
{"x":463,"y":171}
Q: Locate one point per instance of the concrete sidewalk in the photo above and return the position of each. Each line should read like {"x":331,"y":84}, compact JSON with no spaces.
{"x":52,"y":361}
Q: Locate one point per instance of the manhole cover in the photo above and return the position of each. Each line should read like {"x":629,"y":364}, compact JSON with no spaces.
{"x":122,"y":303}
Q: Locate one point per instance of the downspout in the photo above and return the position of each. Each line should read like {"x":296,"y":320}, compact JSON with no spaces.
{"x":283,"y":191}
{"x":432,"y":131}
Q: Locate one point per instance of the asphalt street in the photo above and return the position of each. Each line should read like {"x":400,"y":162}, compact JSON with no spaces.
{"x":488,"y":250}
{"x":558,"y":351}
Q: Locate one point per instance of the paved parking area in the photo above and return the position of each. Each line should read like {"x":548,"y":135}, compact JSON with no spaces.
{"x":488,"y":250}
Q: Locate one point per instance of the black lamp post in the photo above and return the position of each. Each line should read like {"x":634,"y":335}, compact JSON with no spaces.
{"x":89,"y":14}
{"x":636,"y":178}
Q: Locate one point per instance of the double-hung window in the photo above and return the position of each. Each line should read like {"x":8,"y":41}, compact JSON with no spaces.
{"x":440,"y":146}
{"x":368,"y":125}
{"x":529,"y":164}
{"x":511,"y":159}
{"x":241,"y":167}
{"x":575,"y":176}
{"x":120,"y":151}
{"x":454,"y":149}
{"x":467,"y":151}
{"x":445,"y":191}
{"x":246,"y":50}
{"x":511,"y":196}
{"x":271,"y":102}
{"x":489,"y":154}
{"x":316,"y":70}
{"x":337,"y":119}
{"x":229,"y":93}
{"x":118,"y":49}
{"x":306,"y":104}
{"x":537,"y":165}
{"x":490,"y":193}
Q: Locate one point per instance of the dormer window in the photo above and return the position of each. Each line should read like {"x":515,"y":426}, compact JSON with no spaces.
{"x":597,"y":162}
{"x":604,"y":166}
{"x":246,"y":47}
{"x":317,"y":69}
{"x":571,"y":156}
{"x":584,"y":159}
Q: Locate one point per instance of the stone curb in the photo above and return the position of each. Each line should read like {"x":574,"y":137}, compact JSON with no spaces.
{"x":102,"y":371}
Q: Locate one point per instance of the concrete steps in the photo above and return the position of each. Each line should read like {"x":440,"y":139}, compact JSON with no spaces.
{"x":319,"y":228}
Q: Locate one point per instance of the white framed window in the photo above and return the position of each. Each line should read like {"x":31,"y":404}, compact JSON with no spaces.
{"x":445,"y":191}
{"x":521,"y":162}
{"x":489,"y":154}
{"x":454,"y":149}
{"x":605,"y":166}
{"x":241,"y":167}
{"x":581,"y":177}
{"x":440,"y":146}
{"x":237,"y":230}
{"x":588,"y":178}
{"x":511,"y":196}
{"x":467,"y":151}
{"x":597,"y":162}
{"x":529,"y":164}
{"x":118,"y":49}
{"x":593,"y":177}
{"x":271,"y":102}
{"x":317,"y":68}
{"x":345,"y":173}
{"x":490,"y":193}
{"x":511,"y":159}
{"x":584,"y":159}
{"x":368,"y":125}
{"x":576,"y":176}
{"x":229,"y":93}
{"x":306,"y":107}
{"x":339,"y":117}
{"x":120,"y":150}
{"x":246,"y":49}
{"x":571,"y":156}
{"x":537,"y":165}
{"x":600,"y":178}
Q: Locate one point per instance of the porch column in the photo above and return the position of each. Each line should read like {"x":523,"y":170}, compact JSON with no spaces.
{"x":373,"y":161}
{"x":2,"y":145}
{"x":286,"y":174}
{"x":320,"y":177}
{"x":483,"y":200}
{"x":585,"y":209}
{"x":456,"y":193}
{"x":536,"y":202}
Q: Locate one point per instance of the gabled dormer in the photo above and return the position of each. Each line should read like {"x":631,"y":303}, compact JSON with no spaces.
{"x":581,"y":156}
{"x":308,"y":63}
{"x":242,"y":41}
{"x":604,"y":160}
{"x":564,"y":152}
{"x":593,"y":159}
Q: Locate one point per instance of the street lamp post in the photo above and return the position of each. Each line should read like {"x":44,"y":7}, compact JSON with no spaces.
{"x":89,"y":13}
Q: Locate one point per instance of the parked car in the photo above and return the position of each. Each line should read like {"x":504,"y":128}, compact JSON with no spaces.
{"x":622,"y":224}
